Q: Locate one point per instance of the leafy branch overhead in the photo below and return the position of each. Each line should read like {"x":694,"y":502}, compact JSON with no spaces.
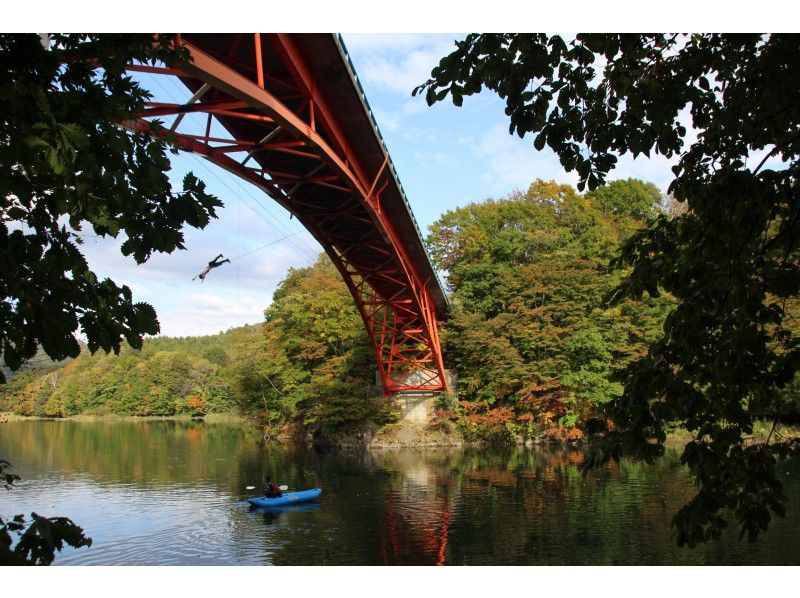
{"x":727,"y":108}
{"x":67,"y":167}
{"x":604,"y":95}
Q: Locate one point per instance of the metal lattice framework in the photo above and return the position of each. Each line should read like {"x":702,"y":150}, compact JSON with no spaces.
{"x":297,"y":126}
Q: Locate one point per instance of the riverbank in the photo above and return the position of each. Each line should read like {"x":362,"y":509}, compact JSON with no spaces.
{"x":407,"y":433}
{"x":211,"y":418}
{"x":415,"y":434}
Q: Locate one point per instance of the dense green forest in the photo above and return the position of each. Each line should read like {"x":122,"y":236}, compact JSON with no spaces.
{"x":533,"y":341}
{"x":168,"y":376}
{"x":531,"y":337}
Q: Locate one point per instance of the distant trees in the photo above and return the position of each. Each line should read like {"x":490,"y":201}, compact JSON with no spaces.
{"x":309,"y":366}
{"x":167,"y":377}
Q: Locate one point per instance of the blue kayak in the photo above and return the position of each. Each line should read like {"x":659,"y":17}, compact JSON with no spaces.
{"x":288,"y":498}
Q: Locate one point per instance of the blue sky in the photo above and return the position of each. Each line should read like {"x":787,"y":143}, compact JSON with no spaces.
{"x":445,"y":156}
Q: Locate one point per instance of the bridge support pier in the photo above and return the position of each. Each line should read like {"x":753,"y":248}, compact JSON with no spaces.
{"x":418,"y":406}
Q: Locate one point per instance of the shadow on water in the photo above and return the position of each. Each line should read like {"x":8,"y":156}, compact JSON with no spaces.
{"x":272,"y":514}
{"x":166,"y":492}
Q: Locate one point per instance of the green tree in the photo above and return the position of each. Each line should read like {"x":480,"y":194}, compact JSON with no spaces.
{"x":310,"y":367}
{"x":590,"y":367}
{"x":319,"y":362}
{"x":167,"y":377}
{"x":631,"y":197}
{"x":528,"y":331}
{"x":67,"y":165}
{"x":730,"y":347}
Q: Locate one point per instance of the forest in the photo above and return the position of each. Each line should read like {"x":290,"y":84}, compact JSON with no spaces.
{"x":535,"y":342}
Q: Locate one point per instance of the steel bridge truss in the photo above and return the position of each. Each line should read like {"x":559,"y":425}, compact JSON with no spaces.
{"x":283,"y":136}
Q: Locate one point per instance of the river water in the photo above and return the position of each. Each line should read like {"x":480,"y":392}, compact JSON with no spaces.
{"x":174,"y":493}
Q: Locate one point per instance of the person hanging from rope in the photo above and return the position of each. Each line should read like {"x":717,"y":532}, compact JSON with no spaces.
{"x":211,"y":265}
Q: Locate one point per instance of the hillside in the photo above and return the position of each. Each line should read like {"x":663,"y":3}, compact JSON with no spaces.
{"x":168,"y":376}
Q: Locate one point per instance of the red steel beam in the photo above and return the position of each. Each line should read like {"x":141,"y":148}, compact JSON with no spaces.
{"x":401,"y":320}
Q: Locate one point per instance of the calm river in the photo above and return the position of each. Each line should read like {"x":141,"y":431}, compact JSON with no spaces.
{"x":174,"y":493}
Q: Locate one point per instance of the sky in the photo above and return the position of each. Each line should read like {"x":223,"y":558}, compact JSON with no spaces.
{"x":445,"y":156}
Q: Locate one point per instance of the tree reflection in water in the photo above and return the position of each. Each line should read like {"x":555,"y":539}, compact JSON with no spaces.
{"x":511,"y":506}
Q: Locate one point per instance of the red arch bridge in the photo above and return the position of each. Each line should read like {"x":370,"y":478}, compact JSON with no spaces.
{"x":297,"y":125}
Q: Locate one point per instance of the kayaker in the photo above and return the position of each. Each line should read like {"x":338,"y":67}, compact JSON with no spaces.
{"x":271,"y":489}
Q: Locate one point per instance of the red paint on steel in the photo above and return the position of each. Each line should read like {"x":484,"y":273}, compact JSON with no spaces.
{"x":259,"y":62}
{"x":282,"y":105}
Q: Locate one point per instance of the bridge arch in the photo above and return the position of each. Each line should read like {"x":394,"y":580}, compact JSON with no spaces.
{"x":299,"y":128}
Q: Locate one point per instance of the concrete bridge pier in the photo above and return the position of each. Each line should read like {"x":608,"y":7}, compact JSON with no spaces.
{"x":418,"y":406}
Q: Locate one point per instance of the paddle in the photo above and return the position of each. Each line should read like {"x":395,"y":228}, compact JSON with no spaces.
{"x":282,"y":488}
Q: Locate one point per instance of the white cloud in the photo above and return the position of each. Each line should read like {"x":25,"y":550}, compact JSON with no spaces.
{"x":655,"y":169}
{"x":387,"y":120}
{"x":398,"y":63}
{"x":429,"y":159}
{"x":512,"y":163}
{"x":209,"y":313}
{"x":400,"y":76}
{"x":445,"y":158}
{"x":419,"y":135}
{"x":235,"y":293}
{"x":414,"y":106}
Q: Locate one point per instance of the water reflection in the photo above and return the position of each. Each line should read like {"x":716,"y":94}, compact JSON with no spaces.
{"x":165,"y":492}
{"x":273,"y":514}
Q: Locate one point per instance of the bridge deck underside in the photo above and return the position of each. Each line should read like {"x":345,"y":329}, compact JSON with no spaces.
{"x":293,"y":130}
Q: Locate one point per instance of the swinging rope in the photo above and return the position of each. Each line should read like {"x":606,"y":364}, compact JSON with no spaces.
{"x":263,"y":246}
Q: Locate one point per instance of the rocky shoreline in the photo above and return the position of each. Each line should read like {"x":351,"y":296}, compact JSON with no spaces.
{"x":418,"y":435}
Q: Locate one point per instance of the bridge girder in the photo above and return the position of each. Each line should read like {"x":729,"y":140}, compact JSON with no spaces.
{"x":286,"y":137}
